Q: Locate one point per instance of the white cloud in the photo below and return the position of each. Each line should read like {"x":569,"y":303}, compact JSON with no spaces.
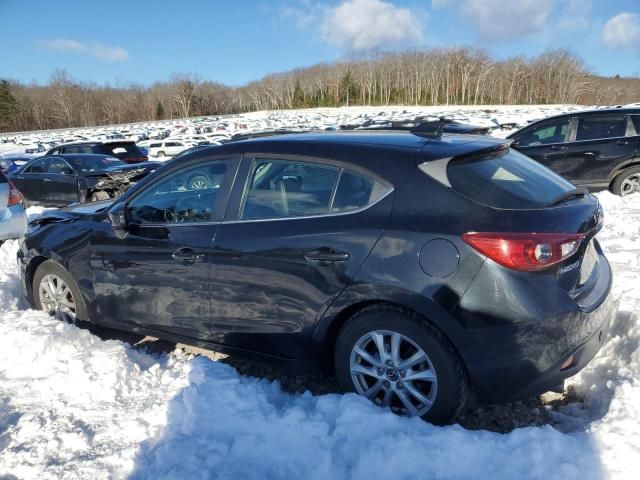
{"x":575,"y":15}
{"x":360,"y":24}
{"x":499,"y":19}
{"x":622,"y":31}
{"x":97,"y":50}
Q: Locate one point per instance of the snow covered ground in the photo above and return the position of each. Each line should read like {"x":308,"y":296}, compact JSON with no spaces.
{"x":75,"y":406}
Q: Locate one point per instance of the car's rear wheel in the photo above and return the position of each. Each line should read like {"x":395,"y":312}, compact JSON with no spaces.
{"x":56,"y":292}
{"x":400,"y":361}
{"x":627,"y":182}
{"x":99,"y":196}
{"x":199,"y":182}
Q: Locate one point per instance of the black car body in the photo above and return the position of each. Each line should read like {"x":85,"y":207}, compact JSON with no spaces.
{"x":64,"y":179}
{"x":124,"y":150}
{"x":299,"y":239}
{"x":597,"y":149}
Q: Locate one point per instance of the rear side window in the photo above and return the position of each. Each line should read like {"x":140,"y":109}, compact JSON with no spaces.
{"x":288,"y":189}
{"x":601,"y":126}
{"x":506,"y":179}
{"x":356,"y":191}
{"x":636,"y":123}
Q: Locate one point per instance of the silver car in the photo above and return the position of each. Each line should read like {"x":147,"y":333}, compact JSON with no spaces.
{"x":13,"y":219}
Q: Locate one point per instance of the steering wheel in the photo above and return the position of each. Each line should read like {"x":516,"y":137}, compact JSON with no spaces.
{"x":187,"y":209}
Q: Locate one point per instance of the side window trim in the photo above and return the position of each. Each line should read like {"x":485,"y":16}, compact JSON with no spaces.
{"x":239,"y":194}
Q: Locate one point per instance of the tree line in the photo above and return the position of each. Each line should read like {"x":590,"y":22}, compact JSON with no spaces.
{"x":440,"y":76}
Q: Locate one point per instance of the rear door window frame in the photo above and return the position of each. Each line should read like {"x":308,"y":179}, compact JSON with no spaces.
{"x":576,"y":119}
{"x":244,"y":175}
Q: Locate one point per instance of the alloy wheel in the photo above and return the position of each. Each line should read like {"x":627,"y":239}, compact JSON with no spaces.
{"x":630,"y":184}
{"x":393,"y":371}
{"x":56,"y":298}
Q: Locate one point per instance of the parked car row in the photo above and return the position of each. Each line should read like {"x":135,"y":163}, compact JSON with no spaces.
{"x":422,"y":268}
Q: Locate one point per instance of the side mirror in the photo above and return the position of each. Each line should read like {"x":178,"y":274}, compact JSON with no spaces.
{"x":118,"y":219}
{"x":514,"y":144}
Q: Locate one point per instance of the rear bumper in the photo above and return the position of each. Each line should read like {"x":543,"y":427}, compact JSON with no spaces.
{"x":13,"y":223}
{"x":515,"y":360}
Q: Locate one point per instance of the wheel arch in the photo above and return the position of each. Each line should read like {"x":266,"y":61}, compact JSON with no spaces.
{"x":352,"y":301}
{"x":30,"y":272}
{"x":634,"y":162}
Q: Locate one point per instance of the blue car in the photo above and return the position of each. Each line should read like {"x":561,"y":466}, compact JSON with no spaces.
{"x":12,"y":162}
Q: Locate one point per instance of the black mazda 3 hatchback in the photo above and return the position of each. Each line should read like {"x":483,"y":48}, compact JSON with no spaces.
{"x":421,"y":268}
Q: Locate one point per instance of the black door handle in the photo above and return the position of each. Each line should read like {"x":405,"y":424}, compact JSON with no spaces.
{"x":326,"y":255}
{"x":186,"y":256}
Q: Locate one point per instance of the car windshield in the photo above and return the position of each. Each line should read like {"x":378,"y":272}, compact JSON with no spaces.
{"x":95,"y":164}
{"x":506,"y":179}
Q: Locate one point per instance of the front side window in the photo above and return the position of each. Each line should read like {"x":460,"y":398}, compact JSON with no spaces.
{"x":601,"y":126}
{"x":185,"y":196}
{"x":549,"y":133}
{"x":39,"y":166}
{"x":288,"y":189}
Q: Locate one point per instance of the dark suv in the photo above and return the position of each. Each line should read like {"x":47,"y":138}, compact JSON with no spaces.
{"x":418,"y":268}
{"x":126,"y":151}
{"x":597,"y":149}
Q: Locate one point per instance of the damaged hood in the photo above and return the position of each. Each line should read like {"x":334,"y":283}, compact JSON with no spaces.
{"x":124,"y":172}
{"x":71,"y":213}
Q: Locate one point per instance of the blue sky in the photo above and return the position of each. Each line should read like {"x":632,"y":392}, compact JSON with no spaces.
{"x":235,"y":42}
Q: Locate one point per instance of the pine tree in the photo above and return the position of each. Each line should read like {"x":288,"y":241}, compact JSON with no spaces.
{"x":298,"y":96}
{"x":8,"y":106}
{"x":159,"y":111}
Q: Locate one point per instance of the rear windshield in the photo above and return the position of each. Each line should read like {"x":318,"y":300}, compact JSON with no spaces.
{"x":124,"y":148}
{"x":506,"y":179}
{"x":91,"y":164}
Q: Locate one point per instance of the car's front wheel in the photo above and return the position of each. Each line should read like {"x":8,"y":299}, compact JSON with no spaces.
{"x":400,"y":361}
{"x":56,"y":292}
{"x":627,"y":182}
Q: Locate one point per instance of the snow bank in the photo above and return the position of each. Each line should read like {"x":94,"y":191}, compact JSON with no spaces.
{"x":75,"y":406}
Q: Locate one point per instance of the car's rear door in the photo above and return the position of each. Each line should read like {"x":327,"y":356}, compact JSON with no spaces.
{"x":156,"y":276}
{"x":60,"y":185}
{"x":598,"y":145}
{"x":296,"y":232}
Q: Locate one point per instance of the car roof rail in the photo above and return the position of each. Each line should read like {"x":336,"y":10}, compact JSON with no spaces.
{"x":266,"y":133}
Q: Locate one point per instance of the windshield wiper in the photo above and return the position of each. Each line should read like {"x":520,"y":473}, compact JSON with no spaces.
{"x":576,"y":192}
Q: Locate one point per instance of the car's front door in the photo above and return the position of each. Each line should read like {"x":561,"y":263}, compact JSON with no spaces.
{"x":30,"y":180}
{"x":60,"y":185}
{"x":156,"y":275}
{"x":601,"y":143}
{"x":295,"y":234}
{"x":545,"y":143}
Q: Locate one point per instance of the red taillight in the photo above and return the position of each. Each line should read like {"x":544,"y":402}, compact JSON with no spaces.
{"x":14,"y":196}
{"x":525,"y":251}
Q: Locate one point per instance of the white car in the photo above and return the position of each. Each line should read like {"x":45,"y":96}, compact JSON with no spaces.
{"x":167,"y":148}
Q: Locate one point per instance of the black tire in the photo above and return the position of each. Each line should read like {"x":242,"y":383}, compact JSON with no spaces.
{"x":452,"y":384}
{"x":617,"y":184}
{"x":53,"y":267}
{"x":99,"y":196}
